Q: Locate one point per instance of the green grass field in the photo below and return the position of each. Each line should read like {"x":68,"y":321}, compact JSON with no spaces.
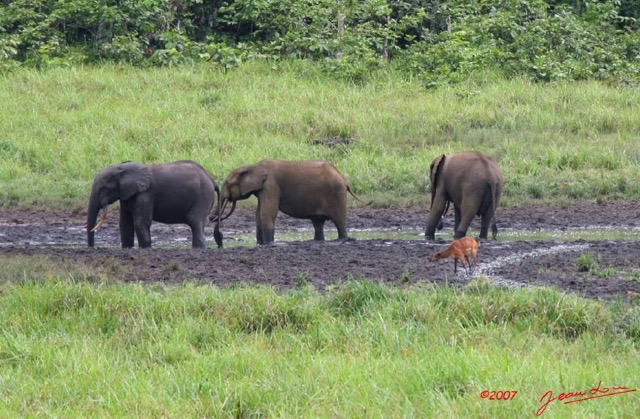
{"x":83,"y":346}
{"x":74,"y":343}
{"x":554,"y":142}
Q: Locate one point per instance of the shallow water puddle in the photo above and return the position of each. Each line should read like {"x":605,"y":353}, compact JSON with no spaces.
{"x":169,"y":236}
{"x":486,"y":269}
{"x":589,"y":233}
{"x":594,"y":233}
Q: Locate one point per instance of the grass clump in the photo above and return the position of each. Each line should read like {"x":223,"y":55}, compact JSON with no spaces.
{"x":260,"y":310}
{"x":588,"y":262}
{"x":358,"y":296}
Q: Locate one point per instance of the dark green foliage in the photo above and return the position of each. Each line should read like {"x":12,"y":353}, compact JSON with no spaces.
{"x":439,"y":41}
{"x":531,"y":38}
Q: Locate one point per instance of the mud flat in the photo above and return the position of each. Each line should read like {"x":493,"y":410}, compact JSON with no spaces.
{"x":401,"y":257}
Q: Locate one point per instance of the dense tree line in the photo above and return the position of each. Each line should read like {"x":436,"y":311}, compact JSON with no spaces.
{"x":438,"y":40}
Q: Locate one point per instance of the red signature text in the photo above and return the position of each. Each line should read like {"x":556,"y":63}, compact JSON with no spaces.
{"x":581,"y":396}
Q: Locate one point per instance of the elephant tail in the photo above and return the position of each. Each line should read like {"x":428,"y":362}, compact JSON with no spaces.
{"x":439,"y":163}
{"x":446,"y":208}
{"x":217,"y":189}
{"x":356,"y":197}
{"x":217,"y":234}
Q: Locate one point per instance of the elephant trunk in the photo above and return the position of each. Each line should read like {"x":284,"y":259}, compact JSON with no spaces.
{"x":92,"y":215}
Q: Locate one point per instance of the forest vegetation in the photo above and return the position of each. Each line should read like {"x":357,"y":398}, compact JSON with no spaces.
{"x":436,"y":41}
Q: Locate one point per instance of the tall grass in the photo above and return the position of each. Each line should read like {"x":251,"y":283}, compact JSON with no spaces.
{"x":82,"y":346}
{"x":553,"y":141}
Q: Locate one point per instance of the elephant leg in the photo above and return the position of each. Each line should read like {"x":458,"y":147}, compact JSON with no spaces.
{"x":488,"y":220}
{"x":198,"y":240}
{"x":266,"y":220}
{"x":196,"y":220}
{"x":456,"y":218}
{"x":318,"y":227}
{"x":487,"y":217}
{"x":342,"y":232}
{"x":258,"y":226}
{"x":463,"y":226}
{"x":484,"y":227}
{"x":126,"y":229}
{"x":142,"y":226}
{"x":437,"y":209}
{"x":341,"y":223}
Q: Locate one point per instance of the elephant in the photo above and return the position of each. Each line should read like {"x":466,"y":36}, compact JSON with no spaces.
{"x":471,"y":180}
{"x":313,"y":190}
{"x":181,"y":192}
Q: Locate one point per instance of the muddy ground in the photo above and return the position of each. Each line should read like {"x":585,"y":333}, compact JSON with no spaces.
{"x":286,"y":265}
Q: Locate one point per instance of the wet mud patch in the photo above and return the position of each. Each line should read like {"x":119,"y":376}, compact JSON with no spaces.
{"x":288,"y":265}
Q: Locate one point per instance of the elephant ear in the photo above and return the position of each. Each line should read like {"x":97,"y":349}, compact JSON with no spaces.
{"x":251,"y":180}
{"x":135,"y":178}
{"x":435,"y":171}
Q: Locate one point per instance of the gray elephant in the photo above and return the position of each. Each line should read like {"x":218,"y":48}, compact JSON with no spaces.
{"x":313,"y":190}
{"x":473,"y":182}
{"x":181,"y":192}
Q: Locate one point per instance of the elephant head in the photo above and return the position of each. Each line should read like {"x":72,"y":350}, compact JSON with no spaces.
{"x":118,"y":182}
{"x":243,"y":182}
{"x":239,"y":185}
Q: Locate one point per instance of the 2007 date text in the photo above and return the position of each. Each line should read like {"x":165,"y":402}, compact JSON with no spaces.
{"x":498,"y":395}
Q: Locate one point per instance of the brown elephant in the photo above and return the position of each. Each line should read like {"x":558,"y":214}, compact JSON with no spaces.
{"x":473,"y":182}
{"x":313,"y":190}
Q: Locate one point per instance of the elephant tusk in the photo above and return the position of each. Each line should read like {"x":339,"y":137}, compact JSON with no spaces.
{"x":103,"y":218}
{"x":214,"y":217}
{"x":224,"y":207}
{"x":219,"y":220}
{"x":218,"y":217}
{"x":222,"y":210}
{"x":233,"y":207}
